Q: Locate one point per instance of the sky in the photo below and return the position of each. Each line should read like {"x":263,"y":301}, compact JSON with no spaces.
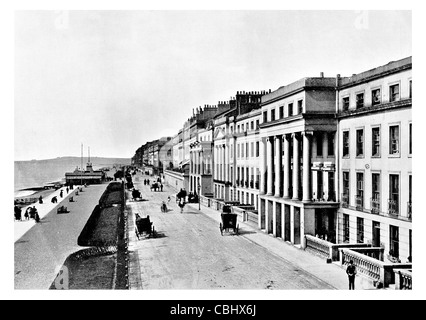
{"x":114,"y":80}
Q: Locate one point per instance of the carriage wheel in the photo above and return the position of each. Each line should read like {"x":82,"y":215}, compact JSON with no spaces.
{"x":221,"y":229}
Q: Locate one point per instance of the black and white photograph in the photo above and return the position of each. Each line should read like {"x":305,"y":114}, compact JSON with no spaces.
{"x":217,"y":153}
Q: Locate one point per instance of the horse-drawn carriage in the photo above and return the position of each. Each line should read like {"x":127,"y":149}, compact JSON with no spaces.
{"x":136,"y":195}
{"x":155,"y":186}
{"x":229,"y":221}
{"x":144,"y":227}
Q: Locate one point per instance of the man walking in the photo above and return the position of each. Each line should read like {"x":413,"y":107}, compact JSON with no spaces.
{"x":351,"y":272}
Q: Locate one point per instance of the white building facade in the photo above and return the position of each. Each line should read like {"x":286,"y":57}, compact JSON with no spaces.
{"x":375,"y":158}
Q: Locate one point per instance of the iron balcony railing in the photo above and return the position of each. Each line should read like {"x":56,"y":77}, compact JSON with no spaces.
{"x":345,"y":200}
{"x":409,"y":210}
{"x":359,"y":201}
{"x":375,"y":205}
{"x":393,"y":207}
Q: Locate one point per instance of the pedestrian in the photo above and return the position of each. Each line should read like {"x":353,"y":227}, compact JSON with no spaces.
{"x":18,"y":212}
{"x":36,"y":217}
{"x":351,"y":272}
{"x":40,"y":200}
{"x":181,"y":204}
{"x":26,"y":214}
{"x":67,"y":190}
{"x":161,"y":187}
{"x":33,"y":212}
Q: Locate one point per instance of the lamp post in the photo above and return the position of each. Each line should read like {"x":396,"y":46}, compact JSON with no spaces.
{"x":199,"y":197}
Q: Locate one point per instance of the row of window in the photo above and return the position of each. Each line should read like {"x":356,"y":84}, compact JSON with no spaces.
{"x":240,"y":128}
{"x":280,"y":112}
{"x":394,"y":243}
{"x":376,"y":96}
{"x":394,"y":193}
{"x":394,"y":141}
{"x":246,"y":150}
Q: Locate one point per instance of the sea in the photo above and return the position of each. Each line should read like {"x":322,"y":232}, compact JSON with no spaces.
{"x":34,"y":174}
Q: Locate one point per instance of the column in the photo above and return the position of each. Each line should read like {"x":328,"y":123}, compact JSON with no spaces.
{"x":220,"y":162}
{"x":278,"y":165}
{"x":282,"y":213}
{"x":307,"y":166}
{"x":203,"y":162}
{"x":315,"y":184}
{"x":296,"y":167}
{"x":214,"y":164}
{"x":286,"y":167}
{"x":190,"y":162}
{"x":262,"y":165}
{"x":195,"y":153}
{"x":292,"y":224}
{"x":224,"y":162}
{"x":274,"y":219}
{"x":270,"y":163}
{"x":227,"y":163}
{"x":326,"y":186}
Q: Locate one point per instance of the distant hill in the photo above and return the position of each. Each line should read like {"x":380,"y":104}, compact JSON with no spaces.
{"x":34,"y":173}
{"x":96,"y":161}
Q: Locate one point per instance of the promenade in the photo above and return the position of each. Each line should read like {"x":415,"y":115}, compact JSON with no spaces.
{"x":41,"y":248}
{"x":21,"y":227}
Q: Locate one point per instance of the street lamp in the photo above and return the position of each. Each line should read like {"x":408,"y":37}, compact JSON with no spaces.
{"x":199,"y":197}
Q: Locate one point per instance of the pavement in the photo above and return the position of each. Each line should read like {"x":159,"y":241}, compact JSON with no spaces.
{"x":21,"y":227}
{"x":41,"y":249}
{"x":176,"y":261}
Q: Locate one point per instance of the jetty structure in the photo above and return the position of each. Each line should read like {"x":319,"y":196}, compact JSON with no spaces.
{"x":88,"y":176}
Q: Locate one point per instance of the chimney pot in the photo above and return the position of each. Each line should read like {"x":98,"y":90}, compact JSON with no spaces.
{"x":322,"y":74}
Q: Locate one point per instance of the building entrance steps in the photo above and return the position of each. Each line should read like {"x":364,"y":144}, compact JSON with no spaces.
{"x":333,"y":273}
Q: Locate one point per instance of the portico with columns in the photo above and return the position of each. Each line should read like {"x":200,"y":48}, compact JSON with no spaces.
{"x":287,"y":206}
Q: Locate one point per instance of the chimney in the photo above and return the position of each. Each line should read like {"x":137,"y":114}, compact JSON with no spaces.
{"x":322,"y":74}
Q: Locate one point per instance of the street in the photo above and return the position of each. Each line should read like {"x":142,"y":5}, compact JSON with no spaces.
{"x":190,"y":253}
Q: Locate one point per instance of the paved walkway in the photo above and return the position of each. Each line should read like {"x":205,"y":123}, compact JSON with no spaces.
{"x":43,"y":247}
{"x":21,"y":227}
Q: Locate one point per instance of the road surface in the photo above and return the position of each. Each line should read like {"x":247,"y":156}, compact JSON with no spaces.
{"x":190,"y":253}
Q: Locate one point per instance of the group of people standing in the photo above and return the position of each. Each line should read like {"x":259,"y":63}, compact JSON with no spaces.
{"x":30,"y":213}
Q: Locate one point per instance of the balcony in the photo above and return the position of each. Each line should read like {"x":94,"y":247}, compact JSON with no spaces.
{"x":331,"y":196}
{"x":393,"y":207}
{"x":409,"y":212}
{"x":359,"y":201}
{"x":345,"y":200}
{"x":375,"y":205}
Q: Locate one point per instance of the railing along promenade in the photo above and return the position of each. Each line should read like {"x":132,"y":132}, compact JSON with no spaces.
{"x":366,"y":258}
